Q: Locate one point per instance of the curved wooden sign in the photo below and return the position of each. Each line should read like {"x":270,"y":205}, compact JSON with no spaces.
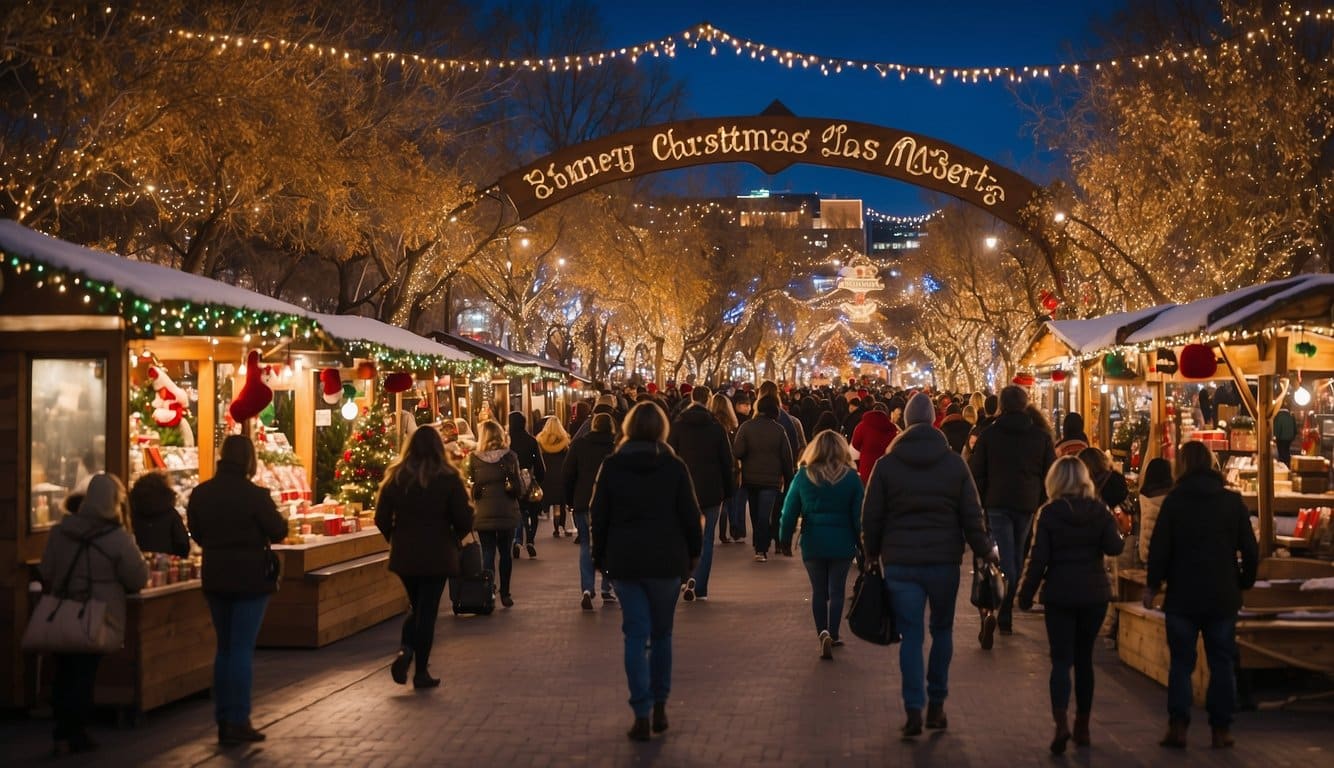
{"x":772,"y":143}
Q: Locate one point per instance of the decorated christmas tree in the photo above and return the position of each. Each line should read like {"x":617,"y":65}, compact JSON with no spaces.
{"x":369,"y":449}
{"x":834,"y":354}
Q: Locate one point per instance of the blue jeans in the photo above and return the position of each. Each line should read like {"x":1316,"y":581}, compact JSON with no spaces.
{"x":761,"y":500}
{"x":706,"y":555}
{"x":1009,"y":529}
{"x":1220,"y":650}
{"x":829,"y":585}
{"x":737,"y":510}
{"x":912,"y":588}
{"x":647,"y":609}
{"x":1071,"y":632}
{"x":236,"y":620}
{"x":497,"y":543}
{"x":586,"y":571}
{"x":528,"y":517}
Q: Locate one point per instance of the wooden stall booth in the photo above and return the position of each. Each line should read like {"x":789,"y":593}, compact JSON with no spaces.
{"x":336,"y":580}
{"x":518,"y":382}
{"x":1272,"y":345}
{"x":120,"y":366}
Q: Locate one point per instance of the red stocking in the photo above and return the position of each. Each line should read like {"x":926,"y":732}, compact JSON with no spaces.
{"x":254,"y":395}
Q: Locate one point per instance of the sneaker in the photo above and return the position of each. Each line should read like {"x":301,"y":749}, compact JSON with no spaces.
{"x":532,"y":552}
{"x":587,"y":602}
{"x":838,"y":643}
{"x":761,"y":557}
{"x":608,"y":597}
{"x":987,"y":635}
{"x":688,"y":591}
{"x":517,"y":551}
{"x":826,"y":645}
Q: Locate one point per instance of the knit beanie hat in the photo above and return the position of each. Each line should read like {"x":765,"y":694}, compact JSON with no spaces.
{"x":919,"y":410}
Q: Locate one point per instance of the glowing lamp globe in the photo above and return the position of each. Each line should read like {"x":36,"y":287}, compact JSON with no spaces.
{"x":349,"y":410}
{"x":1302,"y":396}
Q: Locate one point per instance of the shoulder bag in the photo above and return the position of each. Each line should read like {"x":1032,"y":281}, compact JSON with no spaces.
{"x":988,"y":580}
{"x":73,"y":623}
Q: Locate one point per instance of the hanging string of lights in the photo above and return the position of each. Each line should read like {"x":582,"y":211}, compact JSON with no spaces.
{"x":715,"y":38}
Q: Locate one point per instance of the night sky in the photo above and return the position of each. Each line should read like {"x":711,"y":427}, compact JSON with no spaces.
{"x":985,"y":119}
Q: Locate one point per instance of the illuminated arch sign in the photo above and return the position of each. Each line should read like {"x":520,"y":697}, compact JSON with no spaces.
{"x":772,"y":143}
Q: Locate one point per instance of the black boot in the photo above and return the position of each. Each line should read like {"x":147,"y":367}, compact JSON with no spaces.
{"x":1062,"y":735}
{"x":1176,"y":735}
{"x":660,"y":717}
{"x":640,"y":730}
{"x":423,"y":679}
{"x":935,"y":717}
{"x":399,"y":669}
{"x":913,"y":727}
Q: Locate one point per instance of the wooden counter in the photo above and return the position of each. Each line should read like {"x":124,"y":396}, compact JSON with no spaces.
{"x":1287,"y":504}
{"x":331,"y":589}
{"x":168,"y":653}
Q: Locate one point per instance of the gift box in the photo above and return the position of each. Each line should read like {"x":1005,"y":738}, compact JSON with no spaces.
{"x":1310,"y":464}
{"x":333,"y":526}
{"x":1304,"y":483}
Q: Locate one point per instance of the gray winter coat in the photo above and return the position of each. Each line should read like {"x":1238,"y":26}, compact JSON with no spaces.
{"x":762,"y":447}
{"x":114,"y":562}
{"x":921,"y":503}
{"x":494,"y":507}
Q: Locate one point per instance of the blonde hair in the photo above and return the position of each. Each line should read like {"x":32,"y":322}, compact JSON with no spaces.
{"x":827,"y":458}
{"x":553,"y":431}
{"x":722,"y":410}
{"x":490,"y":435}
{"x":646,"y":421}
{"x":1069,"y":477}
{"x":970,"y":414}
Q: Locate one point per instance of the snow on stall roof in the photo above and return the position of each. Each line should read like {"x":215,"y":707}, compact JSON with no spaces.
{"x":501,"y":353}
{"x":1092,"y":334}
{"x":1185,"y":319}
{"x":1308,"y":284}
{"x":359,"y":328}
{"x":147,"y":281}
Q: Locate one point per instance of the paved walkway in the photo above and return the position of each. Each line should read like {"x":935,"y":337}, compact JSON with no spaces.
{"x":542,"y":685}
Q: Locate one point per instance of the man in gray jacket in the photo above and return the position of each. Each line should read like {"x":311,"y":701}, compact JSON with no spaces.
{"x":762,"y":447}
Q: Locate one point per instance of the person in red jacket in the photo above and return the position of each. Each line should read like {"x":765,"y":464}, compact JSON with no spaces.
{"x":871,"y":438}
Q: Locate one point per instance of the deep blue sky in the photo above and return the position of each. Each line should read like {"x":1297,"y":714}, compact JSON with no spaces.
{"x":985,"y":118}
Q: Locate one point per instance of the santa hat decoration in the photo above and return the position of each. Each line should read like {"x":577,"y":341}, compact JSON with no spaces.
{"x":331,"y":385}
{"x":365,"y":370}
{"x":1198,"y":362}
{"x":1024,"y":380}
{"x":171,"y":401}
{"x":254,"y":395}
{"x":397,"y":382}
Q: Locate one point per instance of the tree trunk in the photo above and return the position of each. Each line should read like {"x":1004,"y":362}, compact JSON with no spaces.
{"x":658,"y":363}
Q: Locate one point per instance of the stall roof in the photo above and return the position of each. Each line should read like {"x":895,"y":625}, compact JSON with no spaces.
{"x":499,"y":354}
{"x":1293,"y":304}
{"x":358,"y":328}
{"x":139,"y":278}
{"x":1197,"y":316}
{"x":1092,"y":334}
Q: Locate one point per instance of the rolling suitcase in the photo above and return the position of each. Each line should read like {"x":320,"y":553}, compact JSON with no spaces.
{"x":473,"y":594}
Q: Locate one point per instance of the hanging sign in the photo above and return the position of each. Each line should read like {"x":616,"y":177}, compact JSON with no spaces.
{"x":859,"y":277}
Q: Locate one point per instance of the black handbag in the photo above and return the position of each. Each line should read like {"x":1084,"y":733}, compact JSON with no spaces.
{"x":988,"y":586}
{"x":871,"y":614}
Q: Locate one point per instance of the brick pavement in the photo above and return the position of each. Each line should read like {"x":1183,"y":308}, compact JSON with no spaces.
{"x":542,"y":685}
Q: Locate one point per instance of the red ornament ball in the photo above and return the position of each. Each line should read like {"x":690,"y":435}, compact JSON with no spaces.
{"x":347,"y":455}
{"x":1197,"y":361}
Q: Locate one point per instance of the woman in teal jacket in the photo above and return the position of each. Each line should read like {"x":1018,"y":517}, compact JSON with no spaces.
{"x":827,"y":497}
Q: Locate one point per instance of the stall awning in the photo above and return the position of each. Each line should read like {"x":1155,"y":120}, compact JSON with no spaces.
{"x":151,"y":282}
{"x":499,"y":355}
{"x":1197,"y":316}
{"x":355,"y":328}
{"x":1093,"y":334}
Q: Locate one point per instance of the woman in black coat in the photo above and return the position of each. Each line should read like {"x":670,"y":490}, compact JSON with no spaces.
{"x":647,"y":537}
{"x":1074,"y":531}
{"x":529,"y":454}
{"x":157,"y":524}
{"x":422,"y":510}
{"x":234,"y":521}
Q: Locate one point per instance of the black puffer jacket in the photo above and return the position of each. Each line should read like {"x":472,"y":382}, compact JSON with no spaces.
{"x":921,"y":503}
{"x":157,"y":524}
{"x":234,"y":520}
{"x":423,"y":525}
{"x":702,"y":444}
{"x":1010,"y":463}
{"x":1201,"y":529}
{"x":645,"y":520}
{"x":1071,"y":536}
{"x":582,"y":465}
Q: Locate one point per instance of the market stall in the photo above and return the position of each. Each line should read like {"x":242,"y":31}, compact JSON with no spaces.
{"x":516,"y":382}
{"x":1269,"y":349}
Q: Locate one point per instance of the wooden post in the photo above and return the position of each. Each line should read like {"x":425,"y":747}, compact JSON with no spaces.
{"x":1157,"y":421}
{"x":1264,"y":458}
{"x":303,"y":422}
{"x":206,"y":440}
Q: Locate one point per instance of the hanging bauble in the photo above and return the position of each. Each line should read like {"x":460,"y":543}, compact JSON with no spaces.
{"x":1049,"y":301}
{"x":365,"y":370}
{"x":1306,"y":349}
{"x":397,"y":382}
{"x":1058,"y":376}
{"x":1198,"y":361}
{"x":1024,"y":380}
{"x":1165,"y":361}
{"x":1114,"y":364}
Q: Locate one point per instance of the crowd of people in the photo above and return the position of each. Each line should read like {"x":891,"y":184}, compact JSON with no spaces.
{"x":899,"y":484}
